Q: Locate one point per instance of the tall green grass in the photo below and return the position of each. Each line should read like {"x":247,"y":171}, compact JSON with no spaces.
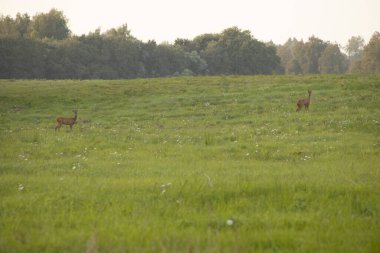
{"x":166,"y":165}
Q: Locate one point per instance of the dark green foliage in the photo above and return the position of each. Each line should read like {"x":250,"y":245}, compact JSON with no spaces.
{"x":43,"y":47}
{"x":111,"y":56}
{"x":52,"y":25}
{"x":237,"y":52}
{"x":370,"y":62}
{"x":48,"y":51}
{"x":332,"y":60}
{"x":22,"y":58}
{"x":313,"y":57}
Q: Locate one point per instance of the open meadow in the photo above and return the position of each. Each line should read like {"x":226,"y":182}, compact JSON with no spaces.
{"x":191,"y":164}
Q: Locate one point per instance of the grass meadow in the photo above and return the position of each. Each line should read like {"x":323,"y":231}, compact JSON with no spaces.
{"x":191,"y":164}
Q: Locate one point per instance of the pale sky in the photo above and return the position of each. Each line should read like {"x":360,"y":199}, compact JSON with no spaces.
{"x":166,"y":20}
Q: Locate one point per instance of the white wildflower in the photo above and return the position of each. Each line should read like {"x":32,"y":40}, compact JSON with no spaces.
{"x":230,"y":222}
{"x":164,"y":187}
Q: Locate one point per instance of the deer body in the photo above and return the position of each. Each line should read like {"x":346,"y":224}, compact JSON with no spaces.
{"x":304,"y":102}
{"x":67,"y":121}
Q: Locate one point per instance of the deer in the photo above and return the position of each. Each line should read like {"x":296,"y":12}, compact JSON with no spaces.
{"x":304,"y":102}
{"x":67,"y":121}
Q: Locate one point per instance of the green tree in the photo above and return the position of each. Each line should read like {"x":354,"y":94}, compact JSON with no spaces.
{"x":149,"y":58}
{"x":310,"y":54}
{"x":185,"y":44}
{"x":15,"y":28}
{"x":126,"y":57}
{"x":237,"y":52}
{"x":6,"y":57}
{"x":354,"y":50}
{"x":195,"y":63}
{"x":170,"y":60}
{"x":22,"y":23}
{"x":121,"y":32}
{"x":332,"y":60}
{"x":289,"y":54}
{"x":22,"y":58}
{"x":294,"y":67}
{"x":201,"y":42}
{"x":370,"y":62}
{"x":354,"y":46}
{"x":52,"y":25}
{"x":8,"y":27}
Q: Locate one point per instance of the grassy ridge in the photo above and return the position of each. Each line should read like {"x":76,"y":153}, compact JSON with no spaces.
{"x":161,"y":165}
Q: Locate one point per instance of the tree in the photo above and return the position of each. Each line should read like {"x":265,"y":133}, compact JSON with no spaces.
{"x":195,"y":63}
{"x":8,"y":27}
{"x":332,"y":60}
{"x":313,"y":57}
{"x":354,"y":50}
{"x":294,"y":67}
{"x":15,"y":28}
{"x":52,"y":25}
{"x":170,"y":60}
{"x":149,"y":58}
{"x":354,"y":46}
{"x":22,"y":23}
{"x":121,"y":32}
{"x":201,"y":42}
{"x":185,"y":44}
{"x":312,"y":51}
{"x":21,"y":58}
{"x":236,"y":52}
{"x":370,"y":62}
{"x":289,"y":54}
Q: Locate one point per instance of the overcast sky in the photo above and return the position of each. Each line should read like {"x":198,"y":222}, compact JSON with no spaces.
{"x":166,"y":20}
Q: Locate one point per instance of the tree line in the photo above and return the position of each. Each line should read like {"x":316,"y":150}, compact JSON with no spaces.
{"x":43,"y":46}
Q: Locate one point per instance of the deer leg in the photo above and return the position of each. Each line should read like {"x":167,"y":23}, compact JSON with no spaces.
{"x":57,"y":127}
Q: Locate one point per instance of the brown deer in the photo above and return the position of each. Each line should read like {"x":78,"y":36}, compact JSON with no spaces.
{"x":304,"y":102}
{"x":67,"y":121}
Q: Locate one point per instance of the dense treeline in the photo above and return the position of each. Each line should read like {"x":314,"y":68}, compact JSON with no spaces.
{"x":317,"y":56}
{"x":43,"y":47}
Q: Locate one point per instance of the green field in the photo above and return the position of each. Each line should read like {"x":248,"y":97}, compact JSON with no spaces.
{"x":191,"y":164}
